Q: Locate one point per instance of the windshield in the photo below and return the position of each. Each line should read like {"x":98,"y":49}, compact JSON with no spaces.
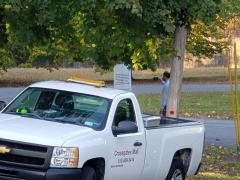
{"x":61,"y":106}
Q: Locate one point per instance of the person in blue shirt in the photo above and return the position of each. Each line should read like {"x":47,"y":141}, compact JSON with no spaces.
{"x":164,"y":96}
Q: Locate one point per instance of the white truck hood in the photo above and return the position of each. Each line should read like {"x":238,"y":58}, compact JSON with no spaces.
{"x":36,"y":131}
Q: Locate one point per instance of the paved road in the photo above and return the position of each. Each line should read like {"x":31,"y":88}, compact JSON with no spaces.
{"x":7,"y":94}
{"x":155,"y":88}
{"x":218,"y":132}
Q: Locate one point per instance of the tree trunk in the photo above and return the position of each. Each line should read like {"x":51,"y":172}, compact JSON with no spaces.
{"x":176,"y":72}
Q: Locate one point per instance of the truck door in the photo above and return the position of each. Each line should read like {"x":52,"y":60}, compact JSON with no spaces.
{"x":127,"y":155}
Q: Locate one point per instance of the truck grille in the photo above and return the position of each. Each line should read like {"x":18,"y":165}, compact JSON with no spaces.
{"x":27,"y":155}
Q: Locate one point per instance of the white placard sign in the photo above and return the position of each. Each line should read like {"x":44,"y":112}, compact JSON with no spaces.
{"x":122,"y":77}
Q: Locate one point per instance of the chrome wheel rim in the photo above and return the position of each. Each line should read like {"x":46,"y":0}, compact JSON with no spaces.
{"x":177,"y":175}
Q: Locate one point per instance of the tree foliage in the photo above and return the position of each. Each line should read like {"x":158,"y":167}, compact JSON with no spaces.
{"x":136,"y":32}
{"x":110,"y":36}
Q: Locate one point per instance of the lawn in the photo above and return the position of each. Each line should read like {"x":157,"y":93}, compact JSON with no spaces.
{"x":25,"y":76}
{"x":215,"y":105}
{"x":219,"y":163}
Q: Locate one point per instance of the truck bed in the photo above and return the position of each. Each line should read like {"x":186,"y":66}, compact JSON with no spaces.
{"x":165,"y":136}
{"x":153,"y":121}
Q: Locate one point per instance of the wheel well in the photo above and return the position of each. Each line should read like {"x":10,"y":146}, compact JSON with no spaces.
{"x":185,"y":156}
{"x":98,"y":164}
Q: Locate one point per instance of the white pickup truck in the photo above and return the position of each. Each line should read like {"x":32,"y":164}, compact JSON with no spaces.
{"x":73,"y":131}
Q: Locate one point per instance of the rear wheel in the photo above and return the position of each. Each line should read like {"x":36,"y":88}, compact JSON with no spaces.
{"x":176,"y":171}
{"x":88,"y":173}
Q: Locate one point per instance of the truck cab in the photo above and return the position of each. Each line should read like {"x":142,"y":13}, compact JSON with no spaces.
{"x":71,"y":130}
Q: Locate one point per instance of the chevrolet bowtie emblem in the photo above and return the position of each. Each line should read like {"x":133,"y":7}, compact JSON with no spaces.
{"x":4,"y":150}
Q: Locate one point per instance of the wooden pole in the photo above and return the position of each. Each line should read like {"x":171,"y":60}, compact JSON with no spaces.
{"x":237,"y":119}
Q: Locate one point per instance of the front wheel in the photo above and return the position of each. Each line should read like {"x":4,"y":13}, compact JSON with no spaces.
{"x":88,"y":173}
{"x":176,"y":171}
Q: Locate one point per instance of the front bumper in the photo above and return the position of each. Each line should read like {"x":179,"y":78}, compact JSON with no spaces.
{"x":16,"y":173}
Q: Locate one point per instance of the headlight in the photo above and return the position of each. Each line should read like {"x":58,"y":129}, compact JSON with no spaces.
{"x":63,"y":157}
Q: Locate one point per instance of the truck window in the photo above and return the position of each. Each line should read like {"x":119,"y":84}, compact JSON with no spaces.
{"x":26,"y":99}
{"x":124,"y":112}
{"x":62,"y":106}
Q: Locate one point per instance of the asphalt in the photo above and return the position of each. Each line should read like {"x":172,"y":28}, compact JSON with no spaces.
{"x":7,"y":94}
{"x":218,"y":132}
{"x":156,"y":88}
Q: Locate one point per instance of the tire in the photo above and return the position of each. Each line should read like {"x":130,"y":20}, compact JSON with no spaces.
{"x":176,"y":171}
{"x":88,"y":173}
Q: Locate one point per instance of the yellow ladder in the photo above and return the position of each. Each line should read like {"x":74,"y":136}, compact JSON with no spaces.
{"x":233,"y":79}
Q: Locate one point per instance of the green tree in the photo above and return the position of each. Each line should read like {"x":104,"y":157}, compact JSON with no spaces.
{"x":5,"y":60}
{"x":184,"y":14}
{"x":3,"y":35}
{"x":138,"y":33}
{"x":171,"y":24}
{"x":111,"y":36}
{"x":202,"y":27}
{"x":119,"y":25}
{"x":38,"y":32}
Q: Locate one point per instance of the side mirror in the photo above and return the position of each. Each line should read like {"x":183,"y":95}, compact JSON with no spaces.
{"x":2,"y":105}
{"x":125,"y":127}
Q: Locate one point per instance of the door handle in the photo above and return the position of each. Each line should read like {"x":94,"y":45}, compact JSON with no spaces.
{"x":137,"y":144}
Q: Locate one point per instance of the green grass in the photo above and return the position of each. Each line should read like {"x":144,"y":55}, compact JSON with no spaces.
{"x":211,"y":105}
{"x":25,"y":76}
{"x":219,"y":163}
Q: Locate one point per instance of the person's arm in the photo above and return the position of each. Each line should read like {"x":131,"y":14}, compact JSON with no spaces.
{"x":162,"y":81}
